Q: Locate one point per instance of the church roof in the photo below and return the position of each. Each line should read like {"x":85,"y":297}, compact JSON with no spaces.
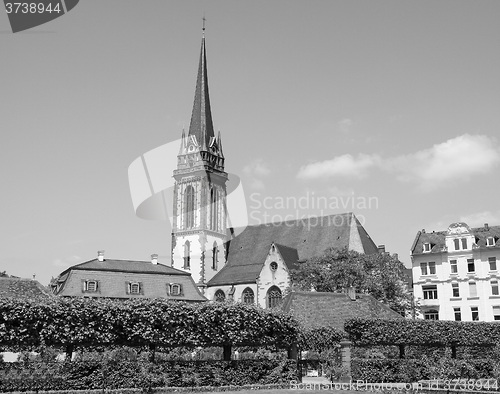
{"x":315,"y":309}
{"x":296,"y":239}
{"x":201,"y":124}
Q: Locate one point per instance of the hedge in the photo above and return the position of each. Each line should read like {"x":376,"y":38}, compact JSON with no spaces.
{"x":320,"y":338}
{"x":411,"y":370}
{"x":88,"y":375}
{"x":368,"y":332}
{"x":26,"y":324}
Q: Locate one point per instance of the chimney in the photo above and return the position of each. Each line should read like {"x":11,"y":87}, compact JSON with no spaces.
{"x":351,"y":293}
{"x":154,"y":258}
{"x":381,"y":249}
{"x":100,"y":255}
{"x":486,"y":227}
{"x":395,"y":256}
{"x":423,"y":230}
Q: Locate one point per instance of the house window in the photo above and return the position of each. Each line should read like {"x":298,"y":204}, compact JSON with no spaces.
{"x":134,"y":288}
{"x":464,"y":243}
{"x":493,"y":263}
{"x":453,"y":266}
{"x":455,"y":289}
{"x":273,"y":297}
{"x":470,"y":265}
{"x":274,"y":266}
{"x":494,"y":287}
{"x":90,"y":286}
{"x":490,"y":241}
{"x":423,"y":268}
{"x":458,"y":314}
{"x":248,"y":296}
{"x":430,"y":292}
{"x":496,"y":312}
{"x":427,"y":247}
{"x":214,"y":256}
{"x":175,"y":289}
{"x":219,"y":296}
{"x":431,"y":314}
{"x":189,"y":207}
{"x":187,"y":255}
{"x":432,"y":268}
{"x":472,"y":289}
{"x":457,"y":243}
{"x":475,"y":313}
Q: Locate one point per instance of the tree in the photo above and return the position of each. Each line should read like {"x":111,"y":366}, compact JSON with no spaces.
{"x":380,"y":275}
{"x":3,"y":274}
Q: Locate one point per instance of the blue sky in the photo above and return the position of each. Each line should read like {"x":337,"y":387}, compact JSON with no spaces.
{"x":389,"y":109}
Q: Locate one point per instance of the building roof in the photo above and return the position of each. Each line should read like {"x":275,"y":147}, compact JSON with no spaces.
{"x":315,"y":309}
{"x":22,"y":288}
{"x":297,"y":240}
{"x":145,"y":267}
{"x":437,"y":239}
{"x":114,"y":275}
{"x":201,"y":124}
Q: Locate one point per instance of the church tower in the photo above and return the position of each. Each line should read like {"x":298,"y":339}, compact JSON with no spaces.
{"x":199,"y":225}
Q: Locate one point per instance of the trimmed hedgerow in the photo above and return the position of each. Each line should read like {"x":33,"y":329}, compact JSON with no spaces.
{"x":411,"y":370}
{"x":89,"y":375}
{"x":26,"y":324}
{"x":320,"y":338}
{"x":368,"y":332}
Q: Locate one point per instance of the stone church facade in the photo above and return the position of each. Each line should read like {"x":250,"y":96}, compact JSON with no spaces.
{"x":254,"y":266}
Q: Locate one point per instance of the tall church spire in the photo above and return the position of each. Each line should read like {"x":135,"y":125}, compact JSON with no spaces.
{"x":201,"y":119}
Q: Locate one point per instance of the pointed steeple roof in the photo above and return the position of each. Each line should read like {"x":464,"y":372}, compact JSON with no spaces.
{"x":201,"y":124}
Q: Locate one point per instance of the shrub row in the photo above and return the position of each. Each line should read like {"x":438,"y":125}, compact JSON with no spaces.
{"x":411,"y":370}
{"x":320,"y":338}
{"x":87,"y":375}
{"x":26,"y":324}
{"x":368,"y":332}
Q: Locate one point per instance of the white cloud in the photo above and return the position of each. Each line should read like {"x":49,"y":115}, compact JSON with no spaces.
{"x":340,"y":166}
{"x":455,"y":160}
{"x":254,"y":171}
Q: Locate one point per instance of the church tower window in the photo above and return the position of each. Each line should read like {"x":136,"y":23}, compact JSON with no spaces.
{"x":214,"y":256}
{"x":213,"y":210}
{"x":187,"y":255}
{"x":189,"y":207}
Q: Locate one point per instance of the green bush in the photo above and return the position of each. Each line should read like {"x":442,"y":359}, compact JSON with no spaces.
{"x":368,"y":332}
{"x":111,"y":374}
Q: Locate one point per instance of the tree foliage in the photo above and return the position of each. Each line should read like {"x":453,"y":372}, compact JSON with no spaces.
{"x":26,"y":324}
{"x":336,"y":270}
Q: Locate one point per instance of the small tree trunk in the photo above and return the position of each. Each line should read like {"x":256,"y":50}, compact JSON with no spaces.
{"x":152,"y":350}
{"x":454,"y":351}
{"x":69,"y":352}
{"x":401,"y":351}
{"x":226,"y":353}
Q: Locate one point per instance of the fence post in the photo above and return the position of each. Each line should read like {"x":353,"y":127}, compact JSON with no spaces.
{"x":345,"y":356}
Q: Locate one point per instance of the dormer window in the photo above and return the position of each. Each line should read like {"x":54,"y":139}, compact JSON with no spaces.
{"x":134,"y":288}
{"x":175,"y":289}
{"x":90,"y":286}
{"x":490,"y":241}
{"x":427,"y":247}
{"x":464,"y":243}
{"x":457,"y":243}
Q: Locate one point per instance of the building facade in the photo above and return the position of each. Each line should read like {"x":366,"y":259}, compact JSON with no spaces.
{"x":455,"y":273}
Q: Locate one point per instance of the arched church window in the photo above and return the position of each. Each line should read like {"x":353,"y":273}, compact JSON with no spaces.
{"x":248,"y":296}
{"x":274,"y":297}
{"x":219,"y":296}
{"x":189,"y":207}
{"x":273,"y":266}
{"x":187,"y":255}
{"x":213,"y":210}
{"x":214,"y":256}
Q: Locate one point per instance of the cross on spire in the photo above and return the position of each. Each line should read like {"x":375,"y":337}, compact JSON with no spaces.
{"x":204,"y":20}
